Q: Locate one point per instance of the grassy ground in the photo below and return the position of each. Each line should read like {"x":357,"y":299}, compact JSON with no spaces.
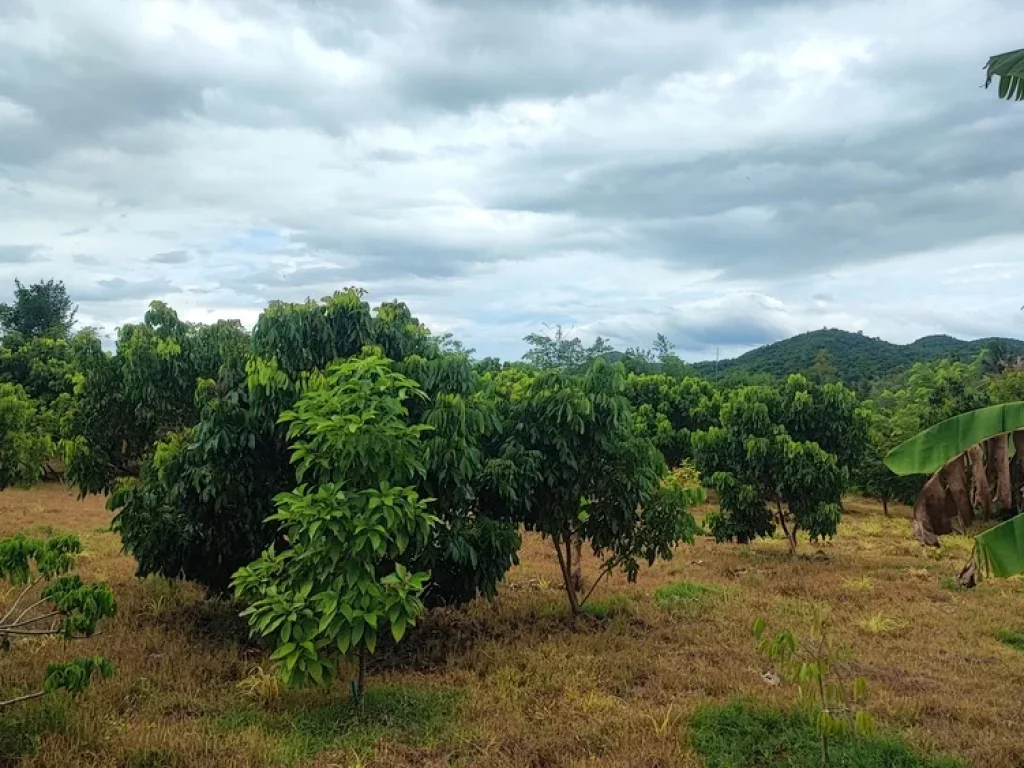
{"x":516,"y":682}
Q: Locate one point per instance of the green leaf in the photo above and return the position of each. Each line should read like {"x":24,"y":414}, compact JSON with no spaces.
{"x":398,"y":626}
{"x":282,"y":651}
{"x":930,"y":450}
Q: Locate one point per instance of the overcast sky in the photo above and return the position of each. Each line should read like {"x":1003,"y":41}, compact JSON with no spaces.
{"x":726,"y":172}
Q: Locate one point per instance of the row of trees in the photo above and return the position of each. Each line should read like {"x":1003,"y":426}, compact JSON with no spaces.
{"x":341,"y":469}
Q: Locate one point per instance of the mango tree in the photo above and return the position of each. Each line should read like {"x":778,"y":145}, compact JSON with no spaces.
{"x":24,"y":442}
{"x":669,"y":409}
{"x":124,"y":403}
{"x":871,"y":476}
{"x":199,"y":507}
{"x":781,"y":455}
{"x":351,"y":522}
{"x":573,"y":467}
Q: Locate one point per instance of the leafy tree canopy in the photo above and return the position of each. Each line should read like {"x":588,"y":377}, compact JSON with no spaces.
{"x":574,"y":468}
{"x":349,"y":524}
{"x":24,"y":442}
{"x":40,"y":309}
{"x":200,"y":505}
{"x":781,"y":454}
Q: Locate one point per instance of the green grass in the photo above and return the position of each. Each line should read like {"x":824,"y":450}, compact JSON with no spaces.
{"x":746,"y":735}
{"x":607,"y":607}
{"x":416,"y":716}
{"x":23,"y":726}
{"x":1011,"y":637}
{"x":950,"y":583}
{"x":684,"y":594}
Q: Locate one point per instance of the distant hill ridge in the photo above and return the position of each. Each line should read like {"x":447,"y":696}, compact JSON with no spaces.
{"x":854,"y":356}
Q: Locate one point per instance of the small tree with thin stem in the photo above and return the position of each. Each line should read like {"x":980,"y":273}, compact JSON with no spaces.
{"x":765,"y":475}
{"x":342,"y":582}
{"x":573,"y":468}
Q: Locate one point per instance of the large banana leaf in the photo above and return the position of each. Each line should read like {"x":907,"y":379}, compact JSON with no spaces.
{"x":999,"y":551}
{"x":929,"y":451}
{"x":1009,"y":68}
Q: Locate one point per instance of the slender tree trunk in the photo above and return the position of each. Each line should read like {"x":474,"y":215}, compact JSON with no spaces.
{"x":361,"y":680}
{"x":790,"y":536}
{"x":565,"y":563}
{"x":982,"y":496}
{"x":885,"y":505}
{"x":1001,"y":465}
{"x":577,"y":564}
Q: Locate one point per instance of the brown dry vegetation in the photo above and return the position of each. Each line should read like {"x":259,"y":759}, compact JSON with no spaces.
{"x":517,"y":683}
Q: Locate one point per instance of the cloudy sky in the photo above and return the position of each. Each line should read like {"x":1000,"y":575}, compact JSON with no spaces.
{"x":726,"y":172}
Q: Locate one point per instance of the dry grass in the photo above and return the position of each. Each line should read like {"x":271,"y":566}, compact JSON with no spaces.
{"x":516,"y":682}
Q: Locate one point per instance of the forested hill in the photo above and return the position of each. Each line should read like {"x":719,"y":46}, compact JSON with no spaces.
{"x":853,"y":356}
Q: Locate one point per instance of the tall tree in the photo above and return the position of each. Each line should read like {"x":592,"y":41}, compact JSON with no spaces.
{"x":40,"y":309}
{"x":200,"y":505}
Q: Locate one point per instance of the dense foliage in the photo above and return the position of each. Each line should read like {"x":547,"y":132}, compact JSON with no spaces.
{"x":669,"y":409}
{"x":126,"y":402}
{"x":200,"y":505}
{"x":781,"y":454}
{"x":24,"y":442}
{"x":575,"y":468}
{"x":350,"y":523}
{"x":42,"y":309}
{"x":181,"y":426}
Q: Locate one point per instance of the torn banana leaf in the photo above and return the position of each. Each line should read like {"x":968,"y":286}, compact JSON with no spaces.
{"x":999,"y":551}
{"x":929,"y":451}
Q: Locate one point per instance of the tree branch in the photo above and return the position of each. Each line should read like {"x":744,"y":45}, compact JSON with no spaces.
{"x":14,"y":606}
{"x":590,"y":591}
{"x":26,"y":622}
{"x":24,"y":613}
{"x":11,"y":702}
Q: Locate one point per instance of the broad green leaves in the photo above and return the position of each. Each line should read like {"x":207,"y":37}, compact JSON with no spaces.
{"x":930,"y":450}
{"x":781,"y":452}
{"x":199,"y":506}
{"x":342,"y":581}
{"x":1009,"y":68}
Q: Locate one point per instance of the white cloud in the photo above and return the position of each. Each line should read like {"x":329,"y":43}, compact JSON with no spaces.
{"x":705,"y":170}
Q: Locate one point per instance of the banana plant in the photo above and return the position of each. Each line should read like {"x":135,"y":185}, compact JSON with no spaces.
{"x":981,"y":442}
{"x":1009,"y":68}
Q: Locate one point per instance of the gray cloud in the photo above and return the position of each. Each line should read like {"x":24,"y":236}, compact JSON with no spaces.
{"x":607,"y":164}
{"x":171,"y":257}
{"x":119,"y":289}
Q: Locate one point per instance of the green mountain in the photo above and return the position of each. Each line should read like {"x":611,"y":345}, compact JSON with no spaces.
{"x":854,"y":357}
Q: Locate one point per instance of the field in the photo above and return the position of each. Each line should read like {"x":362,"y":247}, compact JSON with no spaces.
{"x":516,"y":682}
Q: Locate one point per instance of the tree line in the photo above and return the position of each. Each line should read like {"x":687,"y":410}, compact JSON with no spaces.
{"x":340,"y":468}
